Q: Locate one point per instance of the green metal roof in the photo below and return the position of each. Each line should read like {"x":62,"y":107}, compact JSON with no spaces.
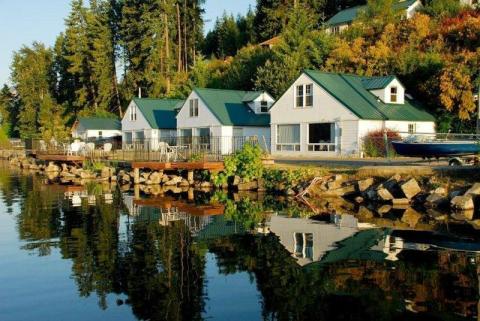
{"x":220,"y":227}
{"x":230,"y":108}
{"x":100,"y":123}
{"x":351,"y":92}
{"x":159,"y":113}
{"x":371,"y":83}
{"x":251,"y":96}
{"x":348,"y":15}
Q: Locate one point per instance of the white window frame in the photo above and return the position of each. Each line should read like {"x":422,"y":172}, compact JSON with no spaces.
{"x":412,"y":128}
{"x":303,"y":95}
{"x":394,"y":94}
{"x":133,"y":113}
{"x":100,"y":134}
{"x":193,"y":107}
{"x":263,"y":104}
{"x":322,"y":147}
{"x":279,"y":147}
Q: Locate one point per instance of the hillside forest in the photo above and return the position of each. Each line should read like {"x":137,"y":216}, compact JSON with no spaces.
{"x":113,"y":50}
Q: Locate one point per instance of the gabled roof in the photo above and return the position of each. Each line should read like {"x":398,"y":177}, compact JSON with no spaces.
{"x":381,"y":82}
{"x":159,"y":113}
{"x":348,"y":15}
{"x":229,"y":107}
{"x":95,"y":123}
{"x":351,"y":92}
{"x":251,"y":96}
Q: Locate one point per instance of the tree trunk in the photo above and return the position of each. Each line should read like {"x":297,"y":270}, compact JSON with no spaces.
{"x":179,"y":31}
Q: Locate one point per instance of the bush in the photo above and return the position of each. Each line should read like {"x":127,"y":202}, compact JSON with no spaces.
{"x":286,"y":178}
{"x":246,"y":163}
{"x":374,"y":143}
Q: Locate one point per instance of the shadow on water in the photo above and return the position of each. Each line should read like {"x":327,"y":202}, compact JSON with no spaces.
{"x":152,"y":255}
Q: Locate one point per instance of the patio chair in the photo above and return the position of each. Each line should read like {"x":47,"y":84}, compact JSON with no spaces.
{"x":165,"y":151}
{"x":107,"y":148}
{"x":42,"y":145}
{"x":74,"y":148}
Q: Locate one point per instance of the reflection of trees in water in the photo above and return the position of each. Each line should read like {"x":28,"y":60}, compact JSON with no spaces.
{"x":158,"y":268}
{"x":435,"y":283}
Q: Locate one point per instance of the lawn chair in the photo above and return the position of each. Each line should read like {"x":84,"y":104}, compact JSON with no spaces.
{"x":165,"y":151}
{"x":42,"y":146}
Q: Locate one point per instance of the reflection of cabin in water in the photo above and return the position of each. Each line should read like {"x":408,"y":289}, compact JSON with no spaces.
{"x":309,"y":240}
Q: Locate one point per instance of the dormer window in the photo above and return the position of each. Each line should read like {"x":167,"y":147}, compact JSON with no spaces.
{"x":133,"y":113}
{"x":393,"y":94}
{"x":193,"y":107}
{"x":264,"y":106}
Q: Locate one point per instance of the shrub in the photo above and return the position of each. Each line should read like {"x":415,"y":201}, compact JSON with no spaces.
{"x":286,"y":178}
{"x":374,"y":143}
{"x":246,"y":163}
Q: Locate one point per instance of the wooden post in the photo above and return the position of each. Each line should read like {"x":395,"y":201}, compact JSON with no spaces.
{"x":136,"y":176}
{"x":191,"y":194}
{"x":136,"y":191}
{"x":190,"y":177}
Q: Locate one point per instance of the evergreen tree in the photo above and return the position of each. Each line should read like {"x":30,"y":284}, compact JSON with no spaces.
{"x":33,"y":78}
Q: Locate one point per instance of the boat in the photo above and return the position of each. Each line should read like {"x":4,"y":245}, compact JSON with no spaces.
{"x":412,"y":147}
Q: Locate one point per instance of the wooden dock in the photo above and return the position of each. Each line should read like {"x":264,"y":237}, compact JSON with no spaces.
{"x":212,"y":166}
{"x":190,"y":208}
{"x":61,"y":158}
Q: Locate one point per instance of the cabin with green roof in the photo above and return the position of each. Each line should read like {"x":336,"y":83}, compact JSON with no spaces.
{"x":88,"y":128}
{"x":221,"y":120}
{"x":344,"y":18}
{"x":329,"y":114}
{"x":150,"y":119}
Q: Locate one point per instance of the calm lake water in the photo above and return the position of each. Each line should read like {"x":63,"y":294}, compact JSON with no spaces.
{"x":96,"y":253}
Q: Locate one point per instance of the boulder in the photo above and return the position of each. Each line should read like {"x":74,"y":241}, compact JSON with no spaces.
{"x":87,"y":174}
{"x":145,"y":175}
{"x":125,"y":178}
{"x":364,"y":214}
{"x":411,"y":217}
{"x":384,"y":209}
{"x":236,"y":180}
{"x":334,"y":185}
{"x":474,"y":190}
{"x":410,"y":188}
{"x":462,"y":203}
{"x":384,"y":194}
{"x":52,"y":168}
{"x":248,"y":186}
{"x":107,"y":172}
{"x":392,"y":183}
{"x":261,"y":185}
{"x":174,"y":181}
{"x":155,"y":178}
{"x":206,"y":185}
{"x":359,"y":199}
{"x":400,"y":201}
{"x":184,"y":183}
{"x":435,"y":200}
{"x":365,"y":184}
{"x":466,"y":215}
{"x":440,"y":191}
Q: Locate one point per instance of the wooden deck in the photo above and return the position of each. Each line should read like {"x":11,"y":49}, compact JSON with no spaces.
{"x":212,"y":166}
{"x":190,"y":208}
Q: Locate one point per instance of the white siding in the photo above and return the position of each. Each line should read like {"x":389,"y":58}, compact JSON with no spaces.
{"x":425,"y":127}
{"x":138,"y":125}
{"x":205,"y":117}
{"x":94,"y":133}
{"x":384,"y":94}
{"x":325,"y":109}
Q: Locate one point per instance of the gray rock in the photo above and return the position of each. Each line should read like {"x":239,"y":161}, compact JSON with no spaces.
{"x":236,"y":180}
{"x":462,"y":203}
{"x":384,"y":195}
{"x":411,"y":217}
{"x":384,"y":209}
{"x":435,"y":200}
{"x":365,"y":184}
{"x":474,"y":190}
{"x":248,"y":186}
{"x":400,"y":201}
{"x":410,"y":188}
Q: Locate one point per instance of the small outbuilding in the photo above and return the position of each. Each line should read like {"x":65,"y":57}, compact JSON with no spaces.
{"x":150,"y":120}
{"x":329,"y":114}
{"x":92,"y":128}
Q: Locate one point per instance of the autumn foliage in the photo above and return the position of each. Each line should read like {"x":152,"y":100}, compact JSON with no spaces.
{"x":374,"y":142}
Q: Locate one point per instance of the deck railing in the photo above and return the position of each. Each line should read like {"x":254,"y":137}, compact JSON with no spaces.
{"x":165,"y":149}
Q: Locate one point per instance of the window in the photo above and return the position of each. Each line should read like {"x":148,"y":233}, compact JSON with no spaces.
{"x":299,"y":100}
{"x":304,"y":96}
{"x":303,"y":245}
{"x":321,"y":137}
{"x":288,"y":138}
{"x":133,"y":113}
{"x":193,"y":107}
{"x":309,"y":95}
{"x":264,"y":106}
{"x":100,"y":134}
{"x":336,"y":30}
{"x":393,"y":94}
{"x":412,"y":128}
